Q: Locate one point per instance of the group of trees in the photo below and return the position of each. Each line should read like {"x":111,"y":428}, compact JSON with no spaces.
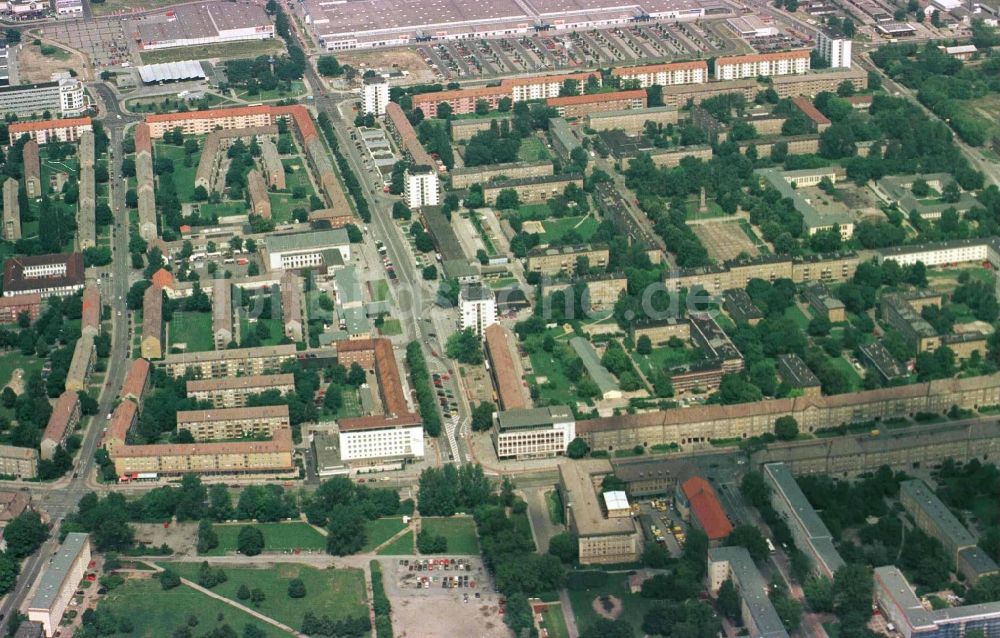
{"x":465,"y":346}
{"x":263,"y":73}
{"x":421,"y":379}
{"x":445,"y":491}
{"x":23,"y":535}
{"x":344,"y":507}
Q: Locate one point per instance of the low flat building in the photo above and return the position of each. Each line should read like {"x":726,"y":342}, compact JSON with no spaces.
{"x":56,"y":586}
{"x":709,"y":336}
{"x":877,"y":356}
{"x":797,"y":374}
{"x":936,"y":520}
{"x":901,"y":606}
{"x":229,"y":363}
{"x":601,"y":539}
{"x":232,"y":392}
{"x":813,"y":220}
{"x":53,"y":275}
{"x":312,"y":249}
{"x":533,"y":432}
{"x":698,"y":503}
{"x":756,"y":610}
{"x":606,"y":382}
{"x":738,"y":305}
{"x":63,"y":420}
{"x":660,"y":331}
{"x":233,"y":423}
{"x":822,"y":303}
{"x":810,"y":533}
{"x":18,"y":462}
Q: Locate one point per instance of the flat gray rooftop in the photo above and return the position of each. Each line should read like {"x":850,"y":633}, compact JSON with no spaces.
{"x":938,"y":512}
{"x":752,"y":589}
{"x":58,"y":569}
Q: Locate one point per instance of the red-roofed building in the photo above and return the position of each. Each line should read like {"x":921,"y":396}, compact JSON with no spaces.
{"x":163,"y":278}
{"x":819,"y":121}
{"x":136,"y":381}
{"x":91,"y":318}
{"x":45,"y":131}
{"x":698,"y":503}
{"x":582,"y":105}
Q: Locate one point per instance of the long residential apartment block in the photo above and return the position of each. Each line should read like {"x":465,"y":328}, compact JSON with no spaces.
{"x":756,"y":65}
{"x":229,"y":363}
{"x":57,"y":584}
{"x":901,"y":606}
{"x":232,"y":392}
{"x":233,"y":423}
{"x":539,"y":87}
{"x":669,"y":74}
{"x":810,"y":533}
{"x":43,"y":132}
{"x":144,"y":182}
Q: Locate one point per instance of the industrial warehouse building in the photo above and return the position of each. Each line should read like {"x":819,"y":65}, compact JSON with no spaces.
{"x":207,"y":23}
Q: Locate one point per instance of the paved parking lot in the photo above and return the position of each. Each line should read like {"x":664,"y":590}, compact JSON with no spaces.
{"x":434,"y":610}
{"x":104,"y":41}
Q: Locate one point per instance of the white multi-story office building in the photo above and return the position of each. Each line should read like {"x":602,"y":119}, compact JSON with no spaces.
{"x":756,"y":65}
{"x":422,"y":187}
{"x":379,"y":441}
{"x":835,"y":48}
{"x":533,"y":432}
{"x":65,"y":97}
{"x":479,"y":308}
{"x":376,"y":95}
{"x":56,"y":586}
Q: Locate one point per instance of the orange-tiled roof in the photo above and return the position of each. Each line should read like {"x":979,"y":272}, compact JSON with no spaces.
{"x":810,"y":111}
{"x":459,"y":94}
{"x":389,"y":380}
{"x":377,"y":422}
{"x":91,"y":307}
{"x":44,"y":125}
{"x":121,"y":421}
{"x":162,"y":278}
{"x":658,"y":68}
{"x":504,"y":372}
{"x":210,"y":114}
{"x":537,"y":79}
{"x":61,"y":412}
{"x":860,"y":99}
{"x":705,"y":506}
{"x":596,"y":98}
{"x":225,"y":414}
{"x":142,"y":138}
{"x":302,"y":119}
{"x":762,"y":57}
{"x":135,"y":379}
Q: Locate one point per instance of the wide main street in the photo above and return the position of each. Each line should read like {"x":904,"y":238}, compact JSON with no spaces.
{"x":61,"y":498}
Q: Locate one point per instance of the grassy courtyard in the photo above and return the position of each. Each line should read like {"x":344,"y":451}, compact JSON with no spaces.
{"x":402,"y":546}
{"x":532,"y":150}
{"x":379,"y":531}
{"x":191,"y":331}
{"x":278,"y":537}
{"x":336,"y":593}
{"x":556,"y":229}
{"x":225,"y":50}
{"x":459,"y":531}
{"x":634,"y":606}
{"x":157,"y":613}
{"x":664,"y":358}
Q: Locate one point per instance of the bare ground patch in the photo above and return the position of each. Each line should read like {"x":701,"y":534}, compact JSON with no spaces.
{"x":724,"y":240}
{"x":609,"y":607}
{"x":34,"y":67}
{"x":401,"y":59}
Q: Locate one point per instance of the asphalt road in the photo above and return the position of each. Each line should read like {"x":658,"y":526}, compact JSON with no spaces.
{"x":60,"y":499}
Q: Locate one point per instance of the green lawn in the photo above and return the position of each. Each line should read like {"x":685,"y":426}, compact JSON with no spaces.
{"x":459,"y":530}
{"x":223,"y":209}
{"x":183,"y":175}
{"x":665,"y":357}
{"x":634,"y":606}
{"x":557,"y":388}
{"x":275,"y":329}
{"x":297,"y":88}
{"x":13,"y":360}
{"x":849,"y":371}
{"x":402,"y":546}
{"x":156,"y":613}
{"x":796,"y":315}
{"x":225,"y":50}
{"x":532,"y":150}
{"x":391,"y":327}
{"x":379,"y":531}
{"x":193,"y":329}
{"x":380,"y":290}
{"x":533,"y":211}
{"x":555,"y":229}
{"x":350,"y":405}
{"x":283,"y":202}
{"x":554,"y":621}
{"x":278,"y":537}
{"x":338,"y":593}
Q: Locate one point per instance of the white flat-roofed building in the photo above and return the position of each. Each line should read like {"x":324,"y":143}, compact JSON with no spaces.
{"x":762,"y":65}
{"x":835,"y":48}
{"x":381,"y":442}
{"x":479,"y":308}
{"x":58,"y":583}
{"x":422,"y":187}
{"x":533,"y":432}
{"x":616,"y":504}
{"x":69,"y":7}
{"x":376,"y":95}
{"x":948,"y":252}
{"x":65,"y":97}
{"x":313,"y":249}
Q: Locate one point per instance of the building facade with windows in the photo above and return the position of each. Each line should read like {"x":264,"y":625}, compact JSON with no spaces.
{"x":229,"y":363}
{"x":422,"y":187}
{"x":479,"y":308}
{"x":526,"y":433}
{"x":56,"y":586}
{"x":376,"y":95}
{"x":756,"y":65}
{"x":835,"y":48}
{"x":65,"y":97}
{"x":233,"y":423}
{"x":232,"y":392}
{"x":601,"y":538}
